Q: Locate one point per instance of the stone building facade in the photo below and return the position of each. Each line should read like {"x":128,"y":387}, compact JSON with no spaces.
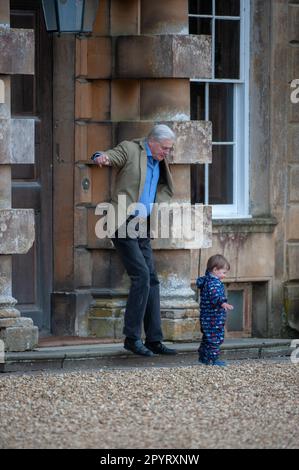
{"x":218,"y":72}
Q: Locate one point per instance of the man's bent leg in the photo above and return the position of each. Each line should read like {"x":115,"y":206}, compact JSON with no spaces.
{"x":152,"y":317}
{"x":137,"y":269}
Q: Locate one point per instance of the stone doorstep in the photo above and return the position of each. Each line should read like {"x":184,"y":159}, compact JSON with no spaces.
{"x":114,"y":355}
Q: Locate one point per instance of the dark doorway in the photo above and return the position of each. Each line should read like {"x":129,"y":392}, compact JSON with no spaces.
{"x":31,"y":98}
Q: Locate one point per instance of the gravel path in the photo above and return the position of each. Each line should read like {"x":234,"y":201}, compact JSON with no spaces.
{"x":251,"y":404}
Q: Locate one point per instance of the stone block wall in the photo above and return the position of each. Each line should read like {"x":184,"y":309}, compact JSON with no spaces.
{"x":133,"y":72}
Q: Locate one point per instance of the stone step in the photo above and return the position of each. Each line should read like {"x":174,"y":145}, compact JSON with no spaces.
{"x":115,"y":356}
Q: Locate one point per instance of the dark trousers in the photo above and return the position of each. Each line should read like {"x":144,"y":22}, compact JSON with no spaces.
{"x":143,"y":303}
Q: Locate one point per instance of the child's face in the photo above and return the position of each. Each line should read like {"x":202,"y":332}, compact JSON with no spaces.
{"x":220,"y":273}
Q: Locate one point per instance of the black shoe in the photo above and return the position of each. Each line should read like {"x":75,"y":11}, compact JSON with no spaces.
{"x":160,"y":348}
{"x":137,"y":347}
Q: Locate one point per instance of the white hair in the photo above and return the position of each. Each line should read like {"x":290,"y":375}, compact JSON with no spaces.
{"x":161,"y":132}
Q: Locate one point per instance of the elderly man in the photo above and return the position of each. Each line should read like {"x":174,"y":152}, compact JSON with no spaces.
{"x":144,"y":178}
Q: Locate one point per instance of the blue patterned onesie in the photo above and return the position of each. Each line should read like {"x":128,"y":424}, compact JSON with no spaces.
{"x":212,"y":316}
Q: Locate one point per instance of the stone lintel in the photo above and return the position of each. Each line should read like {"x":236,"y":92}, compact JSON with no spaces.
{"x":16,"y":230}
{"x":163,"y":56}
{"x":16,"y":51}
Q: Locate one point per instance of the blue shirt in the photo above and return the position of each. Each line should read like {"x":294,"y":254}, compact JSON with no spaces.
{"x":151,"y":182}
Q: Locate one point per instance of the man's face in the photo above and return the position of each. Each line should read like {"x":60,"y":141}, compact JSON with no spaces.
{"x":160,"y":149}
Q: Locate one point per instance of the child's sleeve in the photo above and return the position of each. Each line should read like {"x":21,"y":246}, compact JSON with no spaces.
{"x":217,"y":294}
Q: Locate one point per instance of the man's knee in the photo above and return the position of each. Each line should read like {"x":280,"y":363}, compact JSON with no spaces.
{"x":141,"y":277}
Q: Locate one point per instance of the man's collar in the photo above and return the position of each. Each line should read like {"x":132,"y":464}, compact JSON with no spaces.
{"x":148,"y":150}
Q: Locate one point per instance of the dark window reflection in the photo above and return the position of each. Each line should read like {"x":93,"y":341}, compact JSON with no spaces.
{"x":221,"y":99}
{"x":197,"y":101}
{"x":197,"y":184}
{"x":200,"y":26}
{"x":228,"y":7}
{"x":200,"y":7}
{"x":227,"y":49}
{"x":221,"y":175}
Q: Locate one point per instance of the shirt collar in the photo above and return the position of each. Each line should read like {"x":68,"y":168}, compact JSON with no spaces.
{"x":148,"y":150}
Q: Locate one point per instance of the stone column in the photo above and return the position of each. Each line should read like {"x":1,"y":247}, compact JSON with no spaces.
{"x":16,"y":225}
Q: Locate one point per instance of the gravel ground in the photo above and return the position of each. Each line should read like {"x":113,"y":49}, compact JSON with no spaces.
{"x":250,"y":404}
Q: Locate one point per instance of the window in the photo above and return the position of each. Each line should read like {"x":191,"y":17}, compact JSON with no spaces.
{"x":239,"y":320}
{"x":223,"y":100}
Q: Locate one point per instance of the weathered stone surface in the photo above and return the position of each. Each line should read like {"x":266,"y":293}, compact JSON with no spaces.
{"x":94,"y":57}
{"x":93,"y":100}
{"x":16,"y":141}
{"x":6,"y":322}
{"x":16,"y":51}
{"x":7,"y":312}
{"x":90,"y":137}
{"x":293,"y":261}
{"x":4,"y":12}
{"x":2,"y":92}
{"x":182,"y":227}
{"x":16,"y":230}
{"x":293,"y":140}
{"x":102,"y":327}
{"x":292,"y":223}
{"x":194,"y":138}
{"x":19,"y":338}
{"x":7,"y":301}
{"x":165,"y":99}
{"x":22,"y":141}
{"x":125,"y":100}
{"x":180,"y":330}
{"x":159,"y":18}
{"x":190,"y":227}
{"x":124,"y":17}
{"x":5,"y":141}
{"x":159,"y":56}
{"x":240,"y":249}
{"x":294,"y":184}
{"x":5,"y":112}
{"x":294,"y":23}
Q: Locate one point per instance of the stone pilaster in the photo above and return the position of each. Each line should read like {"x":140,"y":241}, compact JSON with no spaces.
{"x":16,"y":225}
{"x":291,"y":290}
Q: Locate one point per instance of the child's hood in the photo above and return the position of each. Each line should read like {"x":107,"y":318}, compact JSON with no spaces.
{"x":200,"y":282}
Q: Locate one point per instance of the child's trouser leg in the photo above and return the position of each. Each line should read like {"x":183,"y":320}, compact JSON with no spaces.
{"x":212,"y":339}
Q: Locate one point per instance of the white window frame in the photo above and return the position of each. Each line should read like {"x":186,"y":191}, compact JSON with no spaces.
{"x":240,"y":206}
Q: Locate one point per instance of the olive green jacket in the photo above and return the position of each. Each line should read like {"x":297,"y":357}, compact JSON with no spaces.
{"x":130,"y":158}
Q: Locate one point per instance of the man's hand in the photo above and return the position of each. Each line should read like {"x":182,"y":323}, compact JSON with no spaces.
{"x":227,"y":306}
{"x":102,"y":160}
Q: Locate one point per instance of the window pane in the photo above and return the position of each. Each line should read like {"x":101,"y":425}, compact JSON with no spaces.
{"x":197,"y":101}
{"x":200,"y":7}
{"x":200,"y":26}
{"x":197,"y":184}
{"x":221,"y":104}
{"x":221,"y":175}
{"x":227,"y":49}
{"x":228,"y":7}
{"x":235,"y":318}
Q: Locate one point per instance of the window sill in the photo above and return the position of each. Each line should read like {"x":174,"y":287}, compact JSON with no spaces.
{"x":254,"y":225}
